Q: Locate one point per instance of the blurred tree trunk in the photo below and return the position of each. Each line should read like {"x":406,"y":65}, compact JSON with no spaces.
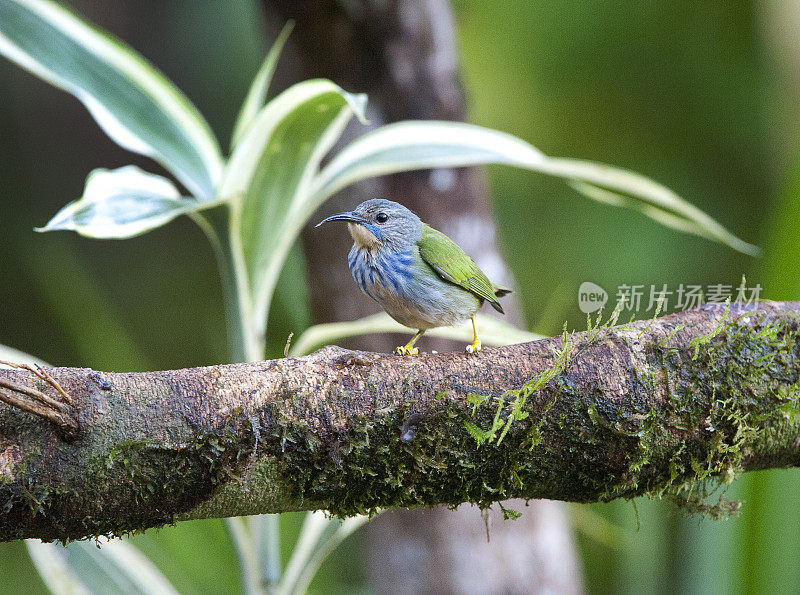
{"x":403,"y":54}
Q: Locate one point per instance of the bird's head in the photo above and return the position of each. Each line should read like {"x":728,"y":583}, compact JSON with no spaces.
{"x":379,"y":223}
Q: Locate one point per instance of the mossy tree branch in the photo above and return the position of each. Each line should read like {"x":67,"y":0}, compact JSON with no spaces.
{"x":651,"y":407}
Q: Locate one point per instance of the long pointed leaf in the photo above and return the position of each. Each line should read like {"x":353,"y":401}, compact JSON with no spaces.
{"x":136,"y":105}
{"x":268,"y":176}
{"x":257,"y":95}
{"x":493,"y":331}
{"x":418,"y":145}
{"x":15,"y":356}
{"x":413,"y":145}
{"x":122,"y":203}
{"x":678,"y":214}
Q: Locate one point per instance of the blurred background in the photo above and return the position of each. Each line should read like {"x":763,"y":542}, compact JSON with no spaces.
{"x":700,"y":96}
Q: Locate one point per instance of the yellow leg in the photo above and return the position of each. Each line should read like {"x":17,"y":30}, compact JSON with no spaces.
{"x":475,"y":346}
{"x":408,"y":348}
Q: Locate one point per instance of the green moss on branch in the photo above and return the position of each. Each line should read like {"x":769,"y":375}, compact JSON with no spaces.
{"x":676,"y":407}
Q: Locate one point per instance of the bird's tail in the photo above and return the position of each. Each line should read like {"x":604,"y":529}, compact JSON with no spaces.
{"x":499,"y":290}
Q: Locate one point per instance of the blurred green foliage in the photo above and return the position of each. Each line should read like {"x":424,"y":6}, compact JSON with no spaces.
{"x":682,"y":92}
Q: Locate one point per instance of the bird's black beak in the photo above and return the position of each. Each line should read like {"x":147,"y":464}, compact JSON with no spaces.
{"x":349,"y":216}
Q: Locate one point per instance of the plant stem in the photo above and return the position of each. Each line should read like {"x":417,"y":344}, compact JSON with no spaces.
{"x":314,"y":526}
{"x":345,"y":529}
{"x":248,"y":562}
{"x":265,"y":529}
{"x":244,"y":344}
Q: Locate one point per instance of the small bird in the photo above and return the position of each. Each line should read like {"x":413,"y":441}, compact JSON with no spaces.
{"x":416,"y":273}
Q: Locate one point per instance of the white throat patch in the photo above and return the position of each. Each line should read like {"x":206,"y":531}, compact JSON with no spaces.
{"x":363,"y":237}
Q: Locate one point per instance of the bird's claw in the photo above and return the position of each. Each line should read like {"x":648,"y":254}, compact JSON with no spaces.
{"x":406,"y":350}
{"x":474,"y":347}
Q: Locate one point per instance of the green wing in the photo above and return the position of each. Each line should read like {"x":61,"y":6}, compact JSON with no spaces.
{"x":452,"y":264}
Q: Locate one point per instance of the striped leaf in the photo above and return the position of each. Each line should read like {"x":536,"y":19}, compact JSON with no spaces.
{"x":15,"y":356}
{"x":493,"y":331}
{"x":267,"y":178}
{"x":257,"y":95}
{"x":122,"y":203}
{"x":135,"y":104}
{"x":420,"y":145}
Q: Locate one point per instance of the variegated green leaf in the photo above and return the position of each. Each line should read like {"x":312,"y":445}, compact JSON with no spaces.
{"x":15,"y":356}
{"x":136,"y":105}
{"x":268,"y":176}
{"x":257,"y":95}
{"x":493,"y":331}
{"x":419,"y":145}
{"x":122,"y":203}
{"x":664,"y":208}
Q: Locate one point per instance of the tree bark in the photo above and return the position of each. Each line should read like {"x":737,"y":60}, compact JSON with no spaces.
{"x":667,"y":406}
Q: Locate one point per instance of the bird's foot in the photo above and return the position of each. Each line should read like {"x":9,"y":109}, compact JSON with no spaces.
{"x":474,"y":347}
{"x":406,"y":350}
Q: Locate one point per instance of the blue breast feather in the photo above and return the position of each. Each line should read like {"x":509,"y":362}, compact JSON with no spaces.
{"x":380,"y":272}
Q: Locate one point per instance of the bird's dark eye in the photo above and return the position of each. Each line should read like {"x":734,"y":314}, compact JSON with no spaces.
{"x":381,"y":217}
